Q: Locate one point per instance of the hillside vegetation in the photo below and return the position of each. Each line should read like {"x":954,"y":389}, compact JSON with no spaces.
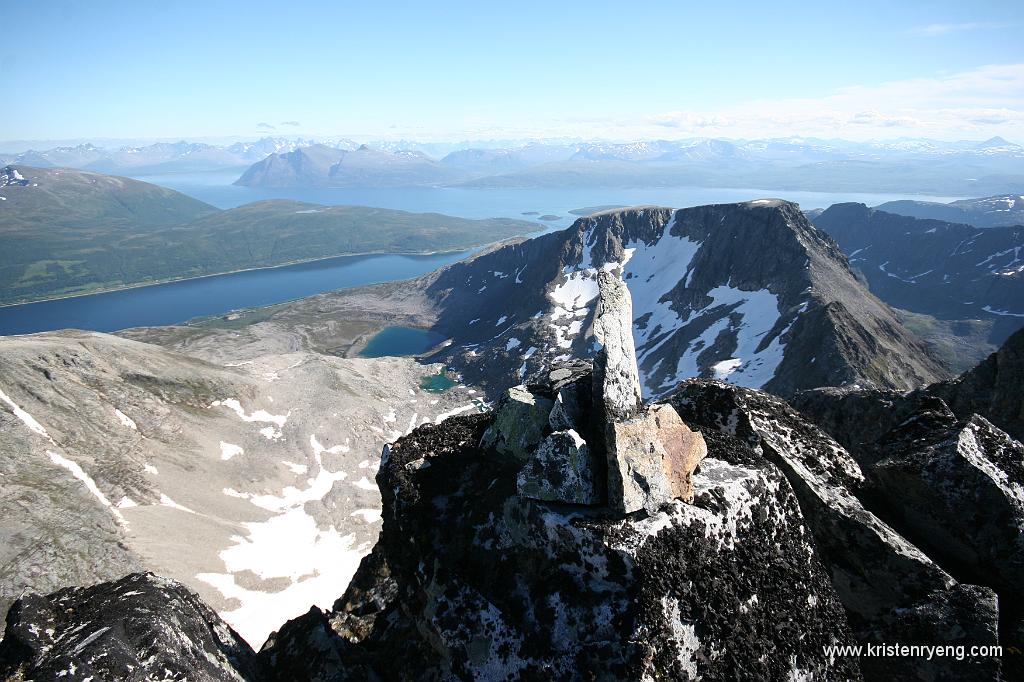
{"x":66,"y":232}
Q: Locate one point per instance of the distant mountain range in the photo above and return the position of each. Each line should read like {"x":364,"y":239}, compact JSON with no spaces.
{"x":65,"y":231}
{"x":997,"y":211}
{"x":322,"y":166}
{"x":794,"y":164}
{"x":966,"y":168}
{"x":162,"y":157}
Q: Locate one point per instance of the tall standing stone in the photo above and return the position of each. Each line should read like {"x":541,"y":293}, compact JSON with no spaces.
{"x":616,"y":362}
{"x":651,"y":454}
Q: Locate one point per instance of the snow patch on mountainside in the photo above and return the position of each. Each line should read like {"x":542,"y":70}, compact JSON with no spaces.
{"x":742,"y":319}
{"x":288,"y":547}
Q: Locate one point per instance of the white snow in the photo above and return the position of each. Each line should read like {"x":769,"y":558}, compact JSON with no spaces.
{"x":257,"y":416}
{"x":86,"y":479}
{"x":125,"y":420}
{"x":651,"y":272}
{"x":317,"y":562}
{"x":726,"y":367}
{"x":368,"y":515}
{"x":1016,"y":256}
{"x":58,"y":459}
{"x":229,"y":450}
{"x":501,"y":321}
{"x":27,"y":419}
{"x":365,"y":484}
{"x":1007,"y":313}
{"x":298,"y":469}
{"x":451,"y":413}
{"x":126,"y":503}
{"x":270,"y":433}
{"x":168,"y":502}
{"x":150,"y":469}
{"x":512,"y":343}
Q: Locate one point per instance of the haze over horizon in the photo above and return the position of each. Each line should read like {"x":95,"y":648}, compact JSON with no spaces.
{"x":659,"y":71}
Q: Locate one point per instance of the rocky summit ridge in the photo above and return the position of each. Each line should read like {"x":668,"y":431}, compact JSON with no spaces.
{"x":750,"y":293}
{"x":575,"y":532}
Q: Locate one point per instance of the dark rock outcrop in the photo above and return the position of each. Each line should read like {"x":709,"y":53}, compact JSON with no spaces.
{"x":959,"y":488}
{"x":947,"y":477}
{"x":141,"y":627}
{"x":472,"y":581}
{"x":892,"y":591}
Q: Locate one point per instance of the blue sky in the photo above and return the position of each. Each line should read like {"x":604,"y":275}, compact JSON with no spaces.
{"x":434,"y":71}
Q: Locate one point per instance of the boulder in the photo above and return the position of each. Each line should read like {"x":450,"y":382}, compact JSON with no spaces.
{"x":520,"y":420}
{"x":141,"y":627}
{"x":650,"y":460}
{"x":562,"y":469}
{"x":959,"y":488}
{"x":958,"y":618}
{"x":892,"y":590}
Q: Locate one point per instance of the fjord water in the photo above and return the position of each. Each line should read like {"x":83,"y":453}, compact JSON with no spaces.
{"x":216,"y":188}
{"x":175,"y":302}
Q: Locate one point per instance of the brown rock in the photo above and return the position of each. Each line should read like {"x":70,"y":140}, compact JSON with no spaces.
{"x":650,"y":460}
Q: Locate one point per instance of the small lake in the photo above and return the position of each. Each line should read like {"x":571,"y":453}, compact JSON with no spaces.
{"x":392,"y":341}
{"x":175,"y":302}
{"x":437,"y":382}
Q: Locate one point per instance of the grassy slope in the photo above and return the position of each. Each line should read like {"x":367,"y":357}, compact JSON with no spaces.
{"x":74,"y":232}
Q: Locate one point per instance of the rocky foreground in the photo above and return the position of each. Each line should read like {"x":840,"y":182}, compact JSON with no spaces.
{"x":576,"y":533}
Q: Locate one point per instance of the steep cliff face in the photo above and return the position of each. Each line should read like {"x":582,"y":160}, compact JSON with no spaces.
{"x":749,"y":293}
{"x":946,"y":269}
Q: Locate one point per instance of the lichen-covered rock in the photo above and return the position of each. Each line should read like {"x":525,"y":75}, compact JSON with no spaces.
{"x":615,"y":367}
{"x":959,"y":486}
{"x":562,"y":469}
{"x":650,"y":460}
{"x":885,"y":582}
{"x":142,"y":627}
{"x":972,"y":608}
{"x":472,"y":581}
{"x":566,"y":413}
{"x":520,"y":420}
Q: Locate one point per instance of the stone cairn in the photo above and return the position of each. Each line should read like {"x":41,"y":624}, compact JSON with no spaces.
{"x":585,"y":437}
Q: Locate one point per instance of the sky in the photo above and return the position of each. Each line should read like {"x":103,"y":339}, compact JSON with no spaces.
{"x":481,"y":70}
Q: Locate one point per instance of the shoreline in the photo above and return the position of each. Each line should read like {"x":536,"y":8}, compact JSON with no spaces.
{"x":127,"y":287}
